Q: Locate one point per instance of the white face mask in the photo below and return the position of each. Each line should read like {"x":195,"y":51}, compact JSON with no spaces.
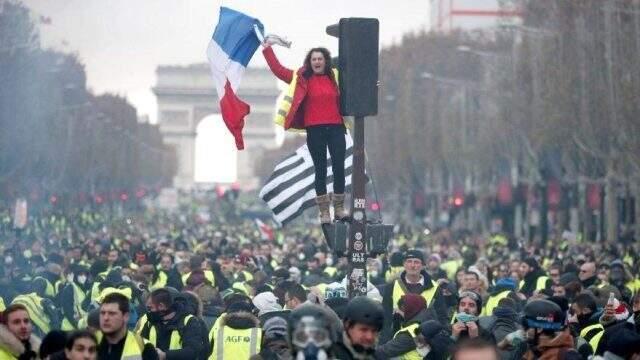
{"x":8,"y":260}
{"x":82,"y":279}
{"x":423,"y":350}
{"x":70,"y":278}
{"x":126,"y":278}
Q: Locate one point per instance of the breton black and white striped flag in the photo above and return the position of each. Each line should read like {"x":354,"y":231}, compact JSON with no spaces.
{"x":289,"y":190}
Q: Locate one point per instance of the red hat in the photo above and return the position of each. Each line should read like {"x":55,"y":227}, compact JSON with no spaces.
{"x":411,"y":305}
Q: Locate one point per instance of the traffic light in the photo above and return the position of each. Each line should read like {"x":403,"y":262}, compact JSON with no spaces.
{"x":377,"y":237}
{"x":357,"y":64}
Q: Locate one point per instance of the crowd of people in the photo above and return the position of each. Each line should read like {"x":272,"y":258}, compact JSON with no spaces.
{"x":158,"y":285}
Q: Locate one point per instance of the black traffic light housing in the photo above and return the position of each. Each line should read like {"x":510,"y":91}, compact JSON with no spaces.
{"x":357,"y":65}
{"x":377,"y":237}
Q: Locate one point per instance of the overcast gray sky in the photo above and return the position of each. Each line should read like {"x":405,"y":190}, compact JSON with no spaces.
{"x":121,"y":42}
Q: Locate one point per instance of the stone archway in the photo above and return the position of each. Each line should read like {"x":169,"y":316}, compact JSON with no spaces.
{"x":185,"y":96}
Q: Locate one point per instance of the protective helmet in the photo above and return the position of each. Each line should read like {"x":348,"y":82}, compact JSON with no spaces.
{"x":543,"y":314}
{"x":362,"y":310}
{"x":311,"y":324}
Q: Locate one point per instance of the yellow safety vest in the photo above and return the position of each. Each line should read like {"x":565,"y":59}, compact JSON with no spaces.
{"x":242,"y":286}
{"x":78,"y":312}
{"x":160,"y":282}
{"x":413,"y":354}
{"x":208,"y":274}
{"x":50,"y":290}
{"x":95,"y":291}
{"x":33,"y":303}
{"x":492,"y":303}
{"x":330,"y":271}
{"x":393,"y":273}
{"x":176,"y":340}
{"x":133,"y":346}
{"x":247,"y":276}
{"x":284,"y":104}
{"x":126,"y":292}
{"x":6,"y":355}
{"x":142,"y":321}
{"x":233,"y":343}
{"x":216,"y":324}
{"x":2,"y":306}
{"x":399,"y":289}
{"x":594,"y":339}
{"x":322,"y":287}
{"x":541,"y":283}
{"x":450,"y":267}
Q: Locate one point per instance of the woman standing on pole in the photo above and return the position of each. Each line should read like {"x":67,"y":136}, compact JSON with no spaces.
{"x":312,"y":103}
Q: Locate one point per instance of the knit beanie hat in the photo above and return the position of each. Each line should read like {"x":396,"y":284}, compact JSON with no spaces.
{"x":473,"y":296}
{"x":411,"y":305}
{"x":507,"y":283}
{"x":276,"y":327}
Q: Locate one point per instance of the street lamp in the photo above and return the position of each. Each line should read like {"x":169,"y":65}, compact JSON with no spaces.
{"x":481,"y":53}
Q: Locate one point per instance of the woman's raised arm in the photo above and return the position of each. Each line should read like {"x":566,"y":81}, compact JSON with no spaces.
{"x":277,"y":69}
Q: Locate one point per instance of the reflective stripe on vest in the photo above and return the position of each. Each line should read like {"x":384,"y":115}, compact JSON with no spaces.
{"x":330,"y":270}
{"x":413,"y":354}
{"x":284,"y":104}
{"x":95,"y":291}
{"x":400,"y":289}
{"x":208,"y":274}
{"x":78,"y":311}
{"x":142,"y":322}
{"x":176,"y":340}
{"x":36,"y":313}
{"x":49,"y":290}
{"x":541,"y":283}
{"x":233,"y":343}
{"x":133,"y":346}
{"x":160,"y":282}
{"x":492,"y":303}
{"x":393,"y":273}
{"x":594,"y":339}
{"x":78,"y":299}
{"x":322,"y":288}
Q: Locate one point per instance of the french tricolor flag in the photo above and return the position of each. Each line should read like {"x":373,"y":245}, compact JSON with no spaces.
{"x":233,"y":44}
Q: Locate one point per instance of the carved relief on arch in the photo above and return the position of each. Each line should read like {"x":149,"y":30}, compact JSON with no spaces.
{"x":199,"y":113}
{"x":174,"y":118}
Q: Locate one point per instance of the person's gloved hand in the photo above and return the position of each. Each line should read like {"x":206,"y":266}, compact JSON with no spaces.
{"x":272,"y":39}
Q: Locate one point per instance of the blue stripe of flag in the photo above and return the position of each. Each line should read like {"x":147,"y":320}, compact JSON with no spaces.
{"x":235,"y":35}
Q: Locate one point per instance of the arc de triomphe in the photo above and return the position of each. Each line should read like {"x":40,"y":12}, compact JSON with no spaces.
{"x":186,"y":95}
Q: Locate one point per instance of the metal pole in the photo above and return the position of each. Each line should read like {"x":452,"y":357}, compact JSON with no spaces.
{"x":357,"y":251}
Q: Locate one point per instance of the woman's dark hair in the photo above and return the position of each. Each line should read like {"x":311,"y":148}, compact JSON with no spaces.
{"x":308,"y":71}
{"x":80,"y":334}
